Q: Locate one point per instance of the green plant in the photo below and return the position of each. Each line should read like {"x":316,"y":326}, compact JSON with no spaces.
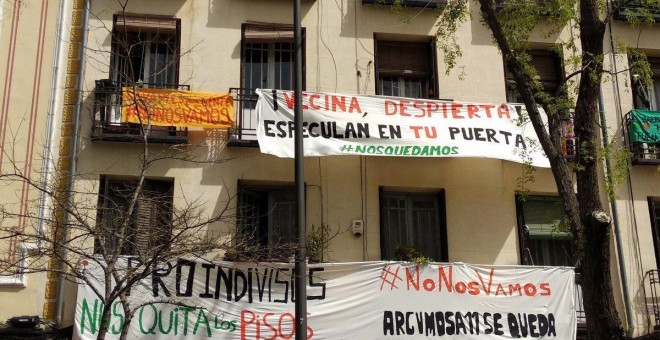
{"x":411,"y":254}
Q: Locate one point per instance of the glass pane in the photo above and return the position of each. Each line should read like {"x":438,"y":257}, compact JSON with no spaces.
{"x":282,"y":217}
{"x":655,"y":95}
{"x":425,"y":227}
{"x":283,"y":66}
{"x":388,"y":86}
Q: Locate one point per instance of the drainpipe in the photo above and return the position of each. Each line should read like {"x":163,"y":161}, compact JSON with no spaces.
{"x":46,"y":167}
{"x":72,"y":169}
{"x":615,"y":218}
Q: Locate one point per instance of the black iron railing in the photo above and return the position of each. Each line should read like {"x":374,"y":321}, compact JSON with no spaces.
{"x":626,"y":10}
{"x":652,"y":298}
{"x":642,"y":153}
{"x":409,"y":3}
{"x":244,"y":133}
{"x":108,"y":124}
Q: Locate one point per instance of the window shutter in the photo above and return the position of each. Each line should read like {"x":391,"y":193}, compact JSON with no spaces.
{"x":145,"y":226}
{"x":254,"y":33}
{"x":397,"y":58}
{"x":136,"y":23}
{"x":542,"y":216}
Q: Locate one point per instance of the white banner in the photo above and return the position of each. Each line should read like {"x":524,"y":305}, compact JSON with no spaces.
{"x":370,"y":300}
{"x":336,"y":124}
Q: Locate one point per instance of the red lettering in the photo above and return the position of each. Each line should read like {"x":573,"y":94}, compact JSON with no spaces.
{"x":311,"y":101}
{"x":545,"y":289}
{"x":355,"y":106}
{"x":390,"y":105}
{"x":293,"y":325}
{"x":273,"y":329}
{"x":431,"y":107}
{"x":487,"y":108}
{"x":455,"y":110}
{"x":490,"y":281}
{"x":245,"y":322}
{"x":503,"y":110}
{"x":289,"y":98}
{"x":442,"y":277}
{"x":472,"y":111}
{"x":402,"y":106}
{"x":412,"y":279}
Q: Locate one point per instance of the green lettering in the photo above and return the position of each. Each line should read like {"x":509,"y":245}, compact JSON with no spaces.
{"x":160,"y":323}
{"x":92,"y":316}
{"x":150,"y":330}
{"x":201,"y":317}
{"x":118,"y":314}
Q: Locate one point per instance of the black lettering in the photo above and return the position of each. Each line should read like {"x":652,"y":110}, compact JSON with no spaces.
{"x":207,"y":277}
{"x":156,"y":280}
{"x":452,"y":132}
{"x":497,"y":324}
{"x":313,"y":284}
{"x":388,"y":323}
{"x":532,"y":327}
{"x":180,"y":263}
{"x":513,"y":326}
{"x":267,"y":124}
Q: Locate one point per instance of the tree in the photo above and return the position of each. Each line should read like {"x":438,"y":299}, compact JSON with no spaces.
{"x":511,"y":24}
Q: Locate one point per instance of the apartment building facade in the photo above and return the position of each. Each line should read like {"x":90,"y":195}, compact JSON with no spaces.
{"x":449,"y":209}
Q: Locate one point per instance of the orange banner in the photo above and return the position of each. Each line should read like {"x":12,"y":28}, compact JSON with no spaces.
{"x":163,"y":107}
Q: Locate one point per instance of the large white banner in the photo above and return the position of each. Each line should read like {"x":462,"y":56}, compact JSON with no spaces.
{"x":337,"y":124}
{"x":370,"y":300}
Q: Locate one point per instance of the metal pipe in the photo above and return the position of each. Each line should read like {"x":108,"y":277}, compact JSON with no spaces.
{"x":301,"y":254}
{"x":50,"y":120}
{"x":615,"y":218}
{"x":72,"y":168}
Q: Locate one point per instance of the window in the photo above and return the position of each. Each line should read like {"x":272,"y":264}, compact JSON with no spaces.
{"x":549,"y":72}
{"x":543,"y":239}
{"x":267,"y":57}
{"x":267,"y":218}
{"x":647,"y":97}
{"x":413,"y":221}
{"x":148,"y":225}
{"x":145,"y":50}
{"x":654,"y":211}
{"x":406,"y":69}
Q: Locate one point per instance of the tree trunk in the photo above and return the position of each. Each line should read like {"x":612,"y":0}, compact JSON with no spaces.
{"x":602,"y":318}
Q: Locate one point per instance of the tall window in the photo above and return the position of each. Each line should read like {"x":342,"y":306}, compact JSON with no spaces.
{"x":549,"y":72}
{"x":148,"y":225}
{"x":267,"y":56}
{"x":413,"y":222}
{"x":647,"y":97}
{"x":544,"y":238}
{"x":145,"y":50}
{"x":406,"y":69}
{"x":654,"y":210}
{"x":267,"y":218}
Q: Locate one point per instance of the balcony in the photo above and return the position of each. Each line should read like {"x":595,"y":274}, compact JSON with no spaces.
{"x":652,"y":298}
{"x":244,"y":133}
{"x":568,"y":145}
{"x":635,"y":9}
{"x":109,"y":127}
{"x":408,"y":3}
{"x":643,"y":132}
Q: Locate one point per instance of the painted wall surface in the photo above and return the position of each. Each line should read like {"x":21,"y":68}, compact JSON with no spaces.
{"x":28,"y":32}
{"x":480,"y":204}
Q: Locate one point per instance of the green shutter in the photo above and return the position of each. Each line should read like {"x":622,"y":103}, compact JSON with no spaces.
{"x":543,"y":216}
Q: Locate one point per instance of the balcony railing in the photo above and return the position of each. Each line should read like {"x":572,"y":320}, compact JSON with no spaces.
{"x":652,"y":298}
{"x":108,"y":125}
{"x":244,"y":133}
{"x":635,"y":9}
{"x":408,"y":3}
{"x":579,"y":308}
{"x":643,"y":136}
{"x":568,"y":145}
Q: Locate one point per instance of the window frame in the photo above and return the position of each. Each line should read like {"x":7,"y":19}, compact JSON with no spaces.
{"x":262,"y":188}
{"x":653,"y":92}
{"x":432,"y":77}
{"x":440,"y":200}
{"x":273,"y":27}
{"x":558,"y":69}
{"x":164,"y":194}
{"x":524,"y":236}
{"x":114,"y":69}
